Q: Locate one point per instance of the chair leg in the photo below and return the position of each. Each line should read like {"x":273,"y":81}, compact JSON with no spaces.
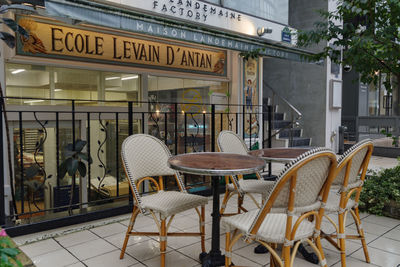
{"x":286,"y":255}
{"x":202,"y":228}
{"x":321,"y":250}
{"x":272,"y":260}
{"x":224,"y":201}
{"x":342,"y":239}
{"x":130,"y":227}
{"x":361,"y":233}
{"x":228,"y":258}
{"x":163,"y":242}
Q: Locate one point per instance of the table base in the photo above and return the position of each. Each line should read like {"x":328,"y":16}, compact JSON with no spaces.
{"x":212,"y":259}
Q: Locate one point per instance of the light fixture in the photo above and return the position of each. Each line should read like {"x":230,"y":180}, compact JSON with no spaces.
{"x":33,"y":101}
{"x":263,"y":30}
{"x":129,"y":77}
{"x":112,"y":78}
{"x":17,"y":71}
{"x":57,"y":90}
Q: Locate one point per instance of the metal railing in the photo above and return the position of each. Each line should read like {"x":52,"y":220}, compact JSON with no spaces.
{"x":41,"y":132}
{"x":276,"y":100}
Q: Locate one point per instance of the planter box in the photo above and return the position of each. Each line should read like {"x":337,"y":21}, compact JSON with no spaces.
{"x":392,"y":210}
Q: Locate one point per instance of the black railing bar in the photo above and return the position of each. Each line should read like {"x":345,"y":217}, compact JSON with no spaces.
{"x":117,"y":152}
{"x":89,"y":173}
{"x":121,"y":101}
{"x":21,"y":153}
{"x":58,"y":148}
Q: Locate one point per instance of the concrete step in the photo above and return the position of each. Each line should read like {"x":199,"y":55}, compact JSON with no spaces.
{"x":299,"y":141}
{"x":286,"y":133}
{"x":280,"y":124}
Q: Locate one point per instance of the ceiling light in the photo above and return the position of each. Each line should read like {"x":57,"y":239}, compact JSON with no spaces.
{"x":262,"y":30}
{"x":57,"y":90}
{"x":33,"y":101}
{"x":112,"y":78}
{"x":17,"y":71}
{"x":129,"y":77}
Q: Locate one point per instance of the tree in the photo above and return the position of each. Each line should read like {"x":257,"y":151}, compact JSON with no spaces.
{"x":368,"y":39}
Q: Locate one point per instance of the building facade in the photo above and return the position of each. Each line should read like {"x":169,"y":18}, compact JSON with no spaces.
{"x":95,"y":58}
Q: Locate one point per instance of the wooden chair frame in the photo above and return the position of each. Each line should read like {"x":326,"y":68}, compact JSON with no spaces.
{"x":340,"y":243}
{"x":162,"y":223}
{"x":228,"y":194}
{"x":287,"y":256}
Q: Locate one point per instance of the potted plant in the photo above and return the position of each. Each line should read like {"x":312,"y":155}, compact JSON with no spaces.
{"x":73,"y":164}
{"x":8,"y":251}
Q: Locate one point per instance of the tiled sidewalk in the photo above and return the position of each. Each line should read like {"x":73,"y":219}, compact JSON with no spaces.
{"x":99,"y":243}
{"x":100,"y":246}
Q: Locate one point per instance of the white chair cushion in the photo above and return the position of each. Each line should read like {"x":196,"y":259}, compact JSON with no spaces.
{"x":253,"y":186}
{"x":272,"y":229}
{"x":168,"y":203}
{"x":332,"y":205}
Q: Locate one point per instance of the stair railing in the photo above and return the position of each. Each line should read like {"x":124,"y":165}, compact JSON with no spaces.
{"x":295,"y":114}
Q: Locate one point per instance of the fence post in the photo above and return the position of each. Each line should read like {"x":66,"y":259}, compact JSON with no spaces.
{"x":130,"y":132}
{"x":269,"y":137}
{"x":213,"y":128}
{"x":2,"y":177}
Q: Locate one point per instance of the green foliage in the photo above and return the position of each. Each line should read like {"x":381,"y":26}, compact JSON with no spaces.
{"x":8,"y":254}
{"x":379,"y":189}
{"x":73,"y":160}
{"x":369,"y":37}
{"x":253,"y":54}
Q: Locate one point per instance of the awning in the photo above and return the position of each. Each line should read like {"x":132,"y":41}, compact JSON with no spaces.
{"x":113,"y":17}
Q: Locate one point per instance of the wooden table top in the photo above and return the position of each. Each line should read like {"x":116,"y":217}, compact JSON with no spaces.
{"x":279,"y":154}
{"x":216,"y":163}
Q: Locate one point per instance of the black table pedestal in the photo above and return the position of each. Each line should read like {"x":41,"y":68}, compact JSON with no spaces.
{"x":214,"y":257}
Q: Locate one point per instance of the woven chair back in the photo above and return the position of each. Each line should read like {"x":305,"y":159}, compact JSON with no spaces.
{"x":310,"y":172}
{"x":146,"y":156}
{"x":357,"y":157}
{"x":230,"y":142}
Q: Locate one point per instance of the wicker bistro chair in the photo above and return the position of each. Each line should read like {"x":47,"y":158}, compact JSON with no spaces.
{"x":230,"y":142}
{"x":144,"y":157}
{"x":299,"y":195}
{"x":344,"y":197}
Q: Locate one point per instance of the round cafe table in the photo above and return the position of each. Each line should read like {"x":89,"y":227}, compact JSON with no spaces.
{"x":215,"y":164}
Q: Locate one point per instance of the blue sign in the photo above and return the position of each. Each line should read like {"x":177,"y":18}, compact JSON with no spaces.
{"x":286,"y":35}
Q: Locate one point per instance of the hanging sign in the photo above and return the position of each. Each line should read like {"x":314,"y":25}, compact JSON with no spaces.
{"x":58,"y":41}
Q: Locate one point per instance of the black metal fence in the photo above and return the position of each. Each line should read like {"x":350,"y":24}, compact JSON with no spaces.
{"x":41,"y":135}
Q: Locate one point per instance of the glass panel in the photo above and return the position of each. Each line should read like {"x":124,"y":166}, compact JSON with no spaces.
{"x":276,"y":10}
{"x":84,"y":86}
{"x":27,"y":81}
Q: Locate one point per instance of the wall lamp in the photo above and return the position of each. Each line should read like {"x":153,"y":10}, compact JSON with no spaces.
{"x":262,"y":30}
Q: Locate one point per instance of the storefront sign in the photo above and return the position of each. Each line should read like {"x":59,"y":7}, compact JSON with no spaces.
{"x":58,"y":41}
{"x":250,"y":97}
{"x":159,"y":29}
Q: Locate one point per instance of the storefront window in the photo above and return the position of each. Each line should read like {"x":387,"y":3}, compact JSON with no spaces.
{"x":32,"y":81}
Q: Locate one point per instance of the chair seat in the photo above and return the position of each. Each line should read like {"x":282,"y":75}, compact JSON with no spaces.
{"x":332,"y":205}
{"x":272,"y":229}
{"x":254,"y":186}
{"x":168,"y":203}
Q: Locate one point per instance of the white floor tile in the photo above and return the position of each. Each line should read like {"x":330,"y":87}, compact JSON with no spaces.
{"x":173,"y":258}
{"x":378,"y":257}
{"x":248,"y":253}
{"x":78,"y":264}
{"x":76,"y":238}
{"x":372,"y":228}
{"x":118,"y":239}
{"x":109,"y":229}
{"x":386,"y":244}
{"x":145,"y":250}
{"x":394,"y":234}
{"x":381,"y":220}
{"x":110,"y":259}
{"x":184,"y":222}
{"x":41,"y":247}
{"x":91,"y":249}
{"x":59,"y":257}
{"x":353,"y":262}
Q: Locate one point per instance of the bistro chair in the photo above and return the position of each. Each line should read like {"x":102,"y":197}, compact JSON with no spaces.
{"x":344,"y":197}
{"x":145,"y":157}
{"x":230,"y":142}
{"x":292,"y":212}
